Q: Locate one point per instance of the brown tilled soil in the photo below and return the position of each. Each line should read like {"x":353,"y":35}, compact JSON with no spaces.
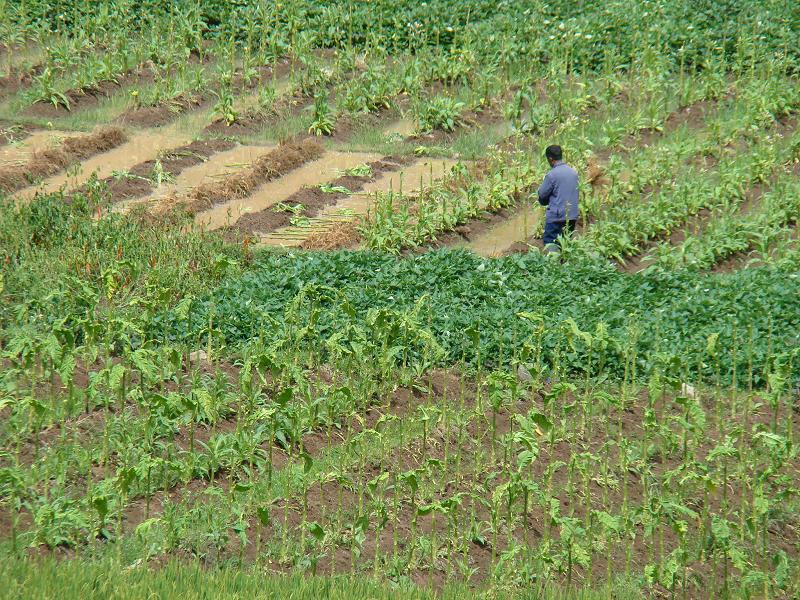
{"x":312,"y":198}
{"x":156,"y":116}
{"x":49,"y":162}
{"x":333,"y":504}
{"x":275,"y":164}
{"x":172,"y":161}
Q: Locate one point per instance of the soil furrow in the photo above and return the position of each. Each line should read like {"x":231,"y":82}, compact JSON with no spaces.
{"x":267,"y":196}
{"x":46,"y":163}
{"x":312,"y":199}
{"x":271,"y":166}
{"x":214,"y":167}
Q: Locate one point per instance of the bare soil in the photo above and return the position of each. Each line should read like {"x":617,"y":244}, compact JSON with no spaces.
{"x":49,"y":162}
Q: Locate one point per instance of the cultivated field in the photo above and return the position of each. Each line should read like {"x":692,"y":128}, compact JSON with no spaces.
{"x":274,"y":301}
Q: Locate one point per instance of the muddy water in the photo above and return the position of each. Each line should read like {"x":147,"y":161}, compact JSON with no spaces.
{"x":502,"y":236}
{"x":218,"y":166}
{"x":311,"y":174}
{"x":402,"y":128}
{"x":20,"y":152}
{"x":410,"y":180}
{"x":139,"y":148}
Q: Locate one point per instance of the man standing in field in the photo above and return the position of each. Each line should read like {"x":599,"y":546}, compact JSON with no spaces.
{"x":559,"y":193}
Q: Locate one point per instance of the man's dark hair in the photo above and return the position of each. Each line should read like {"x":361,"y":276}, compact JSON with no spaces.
{"x":553,"y":152}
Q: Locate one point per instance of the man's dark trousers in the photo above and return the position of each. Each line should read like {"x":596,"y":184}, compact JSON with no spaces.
{"x":553,"y":230}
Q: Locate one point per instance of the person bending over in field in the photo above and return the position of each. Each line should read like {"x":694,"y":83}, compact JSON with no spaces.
{"x":559,"y":193}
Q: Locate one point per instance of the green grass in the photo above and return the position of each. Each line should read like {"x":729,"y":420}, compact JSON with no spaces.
{"x":471,"y":143}
{"x":111,"y":580}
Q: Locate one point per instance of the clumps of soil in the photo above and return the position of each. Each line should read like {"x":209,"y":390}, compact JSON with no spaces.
{"x":14,"y":132}
{"x":313,"y":199}
{"x":139,"y":181}
{"x":49,"y":162}
{"x":271,"y":166}
{"x":156,"y":116}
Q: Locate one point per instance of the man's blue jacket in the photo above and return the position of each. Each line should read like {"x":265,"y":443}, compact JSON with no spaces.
{"x":559,"y":193}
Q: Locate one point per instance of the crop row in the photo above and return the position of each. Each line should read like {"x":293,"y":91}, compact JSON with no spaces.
{"x":625,"y":229}
{"x":592,"y":35}
{"x":494,"y":470}
{"x":446,"y":206}
{"x":733,"y":232}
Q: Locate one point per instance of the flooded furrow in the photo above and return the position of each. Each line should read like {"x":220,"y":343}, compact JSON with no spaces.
{"x":312,"y":174}
{"x":402,"y":128}
{"x":218,"y":166}
{"x":500,"y":237}
{"x":409,"y":180}
{"x":20,"y":152}
{"x":142,"y":146}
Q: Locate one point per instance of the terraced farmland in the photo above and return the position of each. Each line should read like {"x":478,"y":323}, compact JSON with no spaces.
{"x":276,"y":318}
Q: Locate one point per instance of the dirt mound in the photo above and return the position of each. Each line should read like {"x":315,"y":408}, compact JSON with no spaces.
{"x":49,"y":162}
{"x":268,"y":167}
{"x":156,"y":116}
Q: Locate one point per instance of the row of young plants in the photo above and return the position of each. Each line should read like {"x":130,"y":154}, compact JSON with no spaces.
{"x":588,"y":35}
{"x":105,"y":51}
{"x":512,"y":475}
{"x":626,"y":228}
{"x":88,"y":457}
{"x":397,"y":221}
{"x":732,"y":232}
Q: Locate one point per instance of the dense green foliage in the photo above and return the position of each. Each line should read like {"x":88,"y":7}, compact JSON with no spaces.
{"x":665,"y":318}
{"x":186,"y":418}
{"x":587,"y":34}
{"x":65,"y":271}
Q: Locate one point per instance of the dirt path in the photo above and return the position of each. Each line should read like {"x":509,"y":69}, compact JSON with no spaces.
{"x":499,"y":237}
